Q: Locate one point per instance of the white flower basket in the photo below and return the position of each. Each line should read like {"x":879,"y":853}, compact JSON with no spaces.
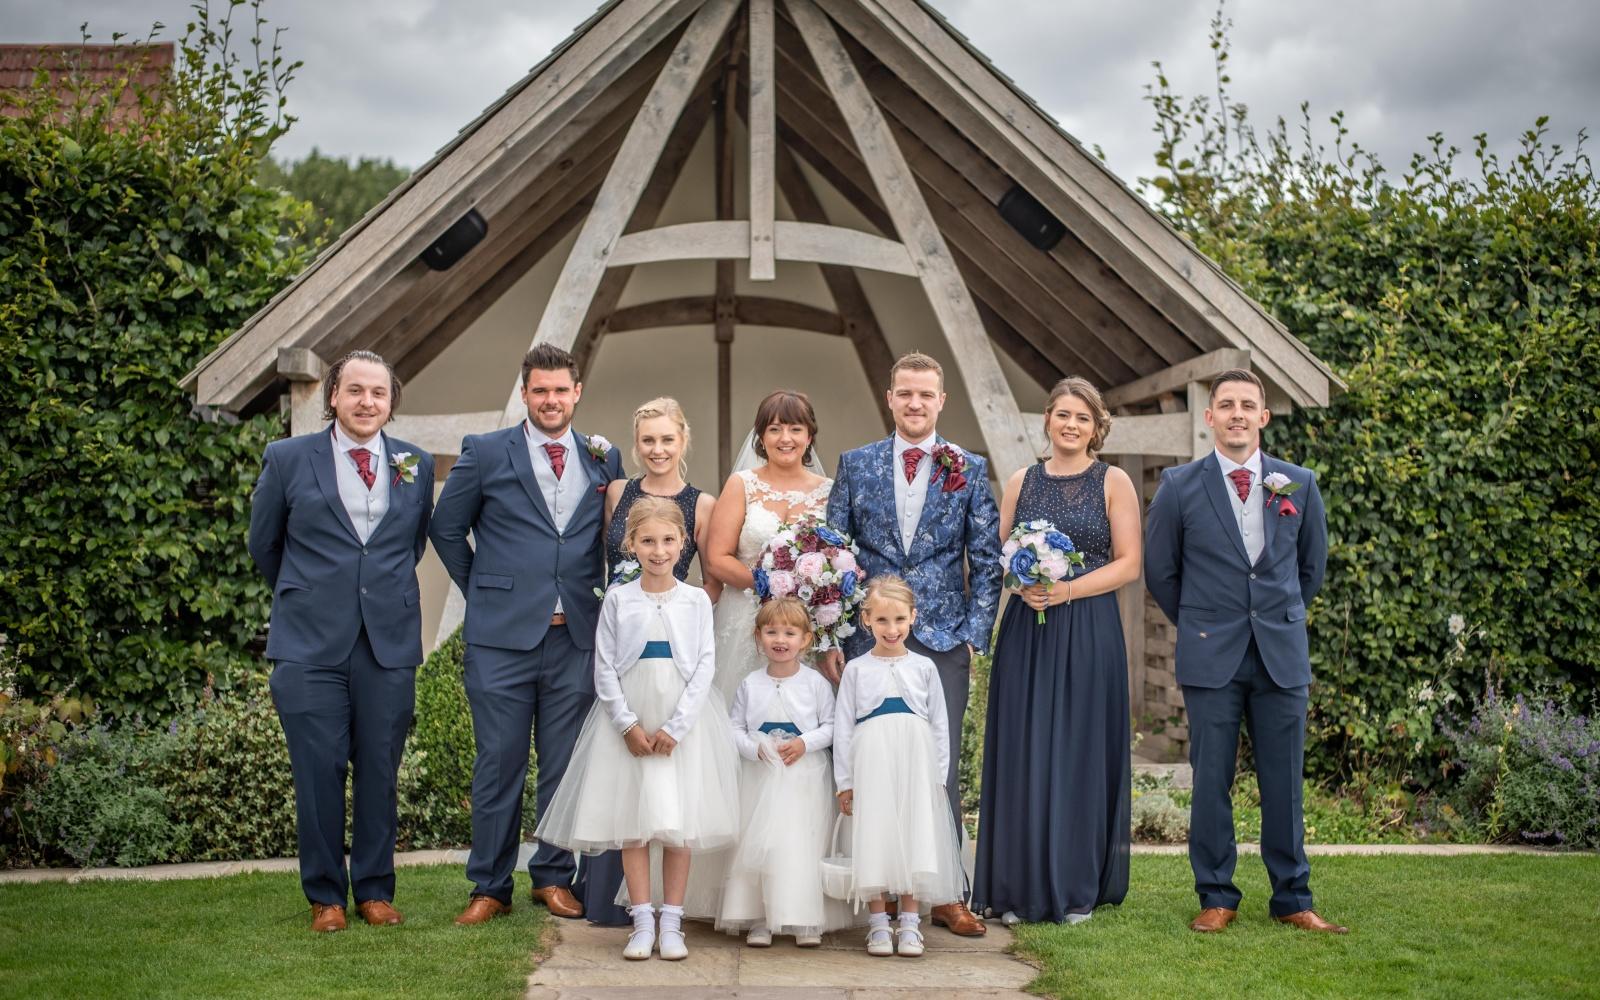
{"x":838,"y":870}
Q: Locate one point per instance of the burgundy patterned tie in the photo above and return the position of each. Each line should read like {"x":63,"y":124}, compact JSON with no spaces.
{"x":912,"y":457}
{"x":558,"y":457}
{"x":363,"y":459}
{"x":1241,"y":483}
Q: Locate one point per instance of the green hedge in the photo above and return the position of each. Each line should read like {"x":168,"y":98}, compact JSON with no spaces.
{"x":1460,"y":303}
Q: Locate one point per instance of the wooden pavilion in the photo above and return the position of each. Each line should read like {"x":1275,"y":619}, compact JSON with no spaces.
{"x":844,"y":175}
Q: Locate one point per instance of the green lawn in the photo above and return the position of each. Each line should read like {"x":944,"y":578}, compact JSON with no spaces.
{"x":247,"y":936}
{"x":1455,"y":927}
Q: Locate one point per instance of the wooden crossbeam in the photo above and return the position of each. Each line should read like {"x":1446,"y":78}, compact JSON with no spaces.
{"x":748,"y":310}
{"x":1179,"y":375}
{"x":729,"y":240}
{"x":989,"y":393}
{"x":630,"y":173}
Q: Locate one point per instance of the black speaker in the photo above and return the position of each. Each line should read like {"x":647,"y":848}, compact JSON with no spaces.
{"x":464,"y":234}
{"x":1031,"y":219}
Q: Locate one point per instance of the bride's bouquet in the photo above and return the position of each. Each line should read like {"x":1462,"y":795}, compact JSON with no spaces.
{"x":815,"y":562}
{"x":1037,"y":553}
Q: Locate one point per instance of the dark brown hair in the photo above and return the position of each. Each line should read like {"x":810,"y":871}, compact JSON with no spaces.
{"x":1082,"y":388}
{"x":548,"y":358}
{"x":785,"y":406}
{"x":1238,"y":375}
{"x":330,"y":381}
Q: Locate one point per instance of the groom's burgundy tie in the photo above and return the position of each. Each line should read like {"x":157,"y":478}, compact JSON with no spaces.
{"x":912,"y":457}
{"x":1241,"y":483}
{"x":363,"y":459}
{"x":558,"y":457}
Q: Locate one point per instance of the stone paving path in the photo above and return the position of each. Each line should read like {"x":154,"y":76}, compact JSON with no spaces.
{"x":587,"y":964}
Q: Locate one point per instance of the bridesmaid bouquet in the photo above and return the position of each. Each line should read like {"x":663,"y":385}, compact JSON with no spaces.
{"x":815,"y":562}
{"x":1037,"y":553}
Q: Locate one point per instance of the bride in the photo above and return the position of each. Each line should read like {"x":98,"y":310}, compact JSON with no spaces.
{"x":784,"y":487}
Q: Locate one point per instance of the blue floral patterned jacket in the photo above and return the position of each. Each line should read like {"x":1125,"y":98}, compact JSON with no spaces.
{"x":954,"y":563}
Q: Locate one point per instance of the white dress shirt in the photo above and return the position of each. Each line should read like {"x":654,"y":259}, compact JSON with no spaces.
{"x":1250,"y":513}
{"x":908,"y":496}
{"x":867,"y":682}
{"x":806,"y":698}
{"x":626,"y":618}
{"x":560,"y":495}
{"x":366,"y":507}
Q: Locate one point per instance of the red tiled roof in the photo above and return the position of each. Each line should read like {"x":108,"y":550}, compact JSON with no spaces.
{"x":96,"y":64}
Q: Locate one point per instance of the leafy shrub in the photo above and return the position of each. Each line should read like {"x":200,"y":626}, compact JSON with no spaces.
{"x":1158,"y":818}
{"x":129,"y":248}
{"x":1530,"y":770}
{"x":101,"y":804}
{"x":1460,"y":307}
{"x":970,"y":767}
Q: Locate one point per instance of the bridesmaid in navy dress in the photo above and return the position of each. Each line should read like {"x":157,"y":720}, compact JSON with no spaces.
{"x":660,"y":444}
{"x":1053,"y":822}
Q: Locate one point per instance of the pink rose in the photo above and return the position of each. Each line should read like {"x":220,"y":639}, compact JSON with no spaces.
{"x":811,"y":565}
{"x":827,"y":614}
{"x":844,"y":562}
{"x":780,"y":583}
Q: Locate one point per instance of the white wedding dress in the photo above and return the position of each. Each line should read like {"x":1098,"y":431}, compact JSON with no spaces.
{"x":765,"y":511}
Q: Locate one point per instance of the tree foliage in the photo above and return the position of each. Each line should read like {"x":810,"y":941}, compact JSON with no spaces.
{"x":339,"y":190}
{"x":127,"y":252}
{"x":1460,"y":302}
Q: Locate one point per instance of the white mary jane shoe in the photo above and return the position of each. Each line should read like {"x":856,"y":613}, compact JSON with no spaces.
{"x":640,"y":944}
{"x":908,"y":942}
{"x":758,"y":937}
{"x":880,"y":942}
{"x":672,"y":946}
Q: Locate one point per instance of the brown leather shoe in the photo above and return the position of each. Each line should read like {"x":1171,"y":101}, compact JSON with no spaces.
{"x":559,"y":900}
{"x":1307,"y":920}
{"x":379,"y":913}
{"x":481,"y":910}
{"x":326,"y":918}
{"x":959,"y":920}
{"x":1213,"y":919}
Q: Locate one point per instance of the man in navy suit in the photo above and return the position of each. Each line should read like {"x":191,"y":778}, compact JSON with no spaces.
{"x":1235,"y":548}
{"x":533,"y":497}
{"x":919,"y":507}
{"x":337,"y":524}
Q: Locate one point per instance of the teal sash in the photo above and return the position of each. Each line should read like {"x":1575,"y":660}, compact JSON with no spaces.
{"x":890,"y":706}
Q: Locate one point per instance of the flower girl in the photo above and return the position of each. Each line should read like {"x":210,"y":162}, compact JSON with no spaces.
{"x":655,"y":763}
{"x":783,"y":725}
{"x":891,"y":750}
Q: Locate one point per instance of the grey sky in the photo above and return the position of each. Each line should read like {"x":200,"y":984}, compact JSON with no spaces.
{"x":398,"y":79}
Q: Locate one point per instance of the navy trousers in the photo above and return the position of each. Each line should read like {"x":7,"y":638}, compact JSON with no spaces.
{"x":548,"y":690}
{"x":1276,"y":717}
{"x":355,"y":713}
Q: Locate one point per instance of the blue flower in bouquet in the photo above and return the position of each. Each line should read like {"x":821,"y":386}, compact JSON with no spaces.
{"x":763,"y":587}
{"x":1023,"y":562}
{"x":847,"y":583}
{"x":828,"y":535}
{"x":1037,"y":553}
{"x":1061,"y":543}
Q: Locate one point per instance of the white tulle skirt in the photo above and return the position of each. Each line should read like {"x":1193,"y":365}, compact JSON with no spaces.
{"x":904,"y":839}
{"x":610,"y":799}
{"x":774,"y":877}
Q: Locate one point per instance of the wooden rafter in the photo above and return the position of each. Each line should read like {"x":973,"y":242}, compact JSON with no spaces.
{"x":761,"y":123}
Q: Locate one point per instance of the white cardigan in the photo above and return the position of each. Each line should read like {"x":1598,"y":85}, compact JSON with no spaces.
{"x":620,"y":639}
{"x":867,"y":682}
{"x":807,"y":698}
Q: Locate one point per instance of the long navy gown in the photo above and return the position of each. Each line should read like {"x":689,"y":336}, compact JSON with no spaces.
{"x":1054,"y":817}
{"x":605,"y":870}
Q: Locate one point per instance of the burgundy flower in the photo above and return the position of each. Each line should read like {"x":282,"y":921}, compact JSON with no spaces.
{"x":782,"y":558}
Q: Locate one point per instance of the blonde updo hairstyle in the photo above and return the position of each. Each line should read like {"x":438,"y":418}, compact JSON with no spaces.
{"x":650,"y":508}
{"x":663,"y":406}
{"x":888,"y":587}
{"x":1082,"y":389}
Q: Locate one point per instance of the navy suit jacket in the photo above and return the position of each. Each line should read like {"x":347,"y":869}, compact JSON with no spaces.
{"x":1196,"y":567}
{"x":954,"y":563}
{"x":518,"y":562}
{"x":327,"y":585}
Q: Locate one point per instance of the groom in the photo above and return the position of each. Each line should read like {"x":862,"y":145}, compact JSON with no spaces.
{"x":1235,"y":548}
{"x":533,"y":496}
{"x":920,"y":507}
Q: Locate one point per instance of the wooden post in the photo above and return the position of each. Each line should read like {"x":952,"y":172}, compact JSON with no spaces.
{"x":723,"y":322}
{"x":994,"y":405}
{"x":1201,"y":441}
{"x":304,"y":370}
{"x":1130,"y":603}
{"x":630,"y":172}
{"x":762,"y":123}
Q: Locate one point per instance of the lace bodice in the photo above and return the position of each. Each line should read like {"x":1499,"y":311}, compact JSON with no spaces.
{"x":766,"y":510}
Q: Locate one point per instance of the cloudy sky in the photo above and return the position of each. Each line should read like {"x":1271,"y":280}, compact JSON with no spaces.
{"x":398,"y":78}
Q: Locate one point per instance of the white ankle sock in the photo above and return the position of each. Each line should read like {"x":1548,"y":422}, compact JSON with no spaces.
{"x":671,"y":919}
{"x":644,"y":918}
{"x":877,"y":922}
{"x":910,"y":920}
